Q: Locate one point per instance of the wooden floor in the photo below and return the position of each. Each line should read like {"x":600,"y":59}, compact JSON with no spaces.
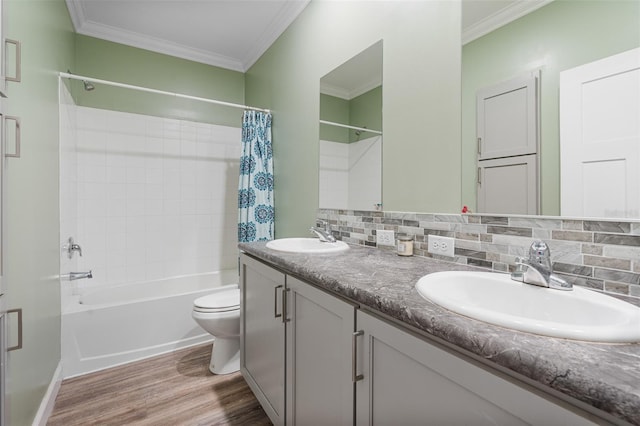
{"x":171,"y":389}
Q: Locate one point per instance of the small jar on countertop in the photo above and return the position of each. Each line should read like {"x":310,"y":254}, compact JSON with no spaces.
{"x":404,"y":245}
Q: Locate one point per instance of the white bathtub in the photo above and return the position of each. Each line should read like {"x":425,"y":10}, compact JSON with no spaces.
{"x":112,"y":326}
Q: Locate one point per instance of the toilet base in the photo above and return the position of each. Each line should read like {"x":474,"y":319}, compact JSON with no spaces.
{"x":225,"y":355}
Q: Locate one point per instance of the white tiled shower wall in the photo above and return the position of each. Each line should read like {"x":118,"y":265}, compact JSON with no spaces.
{"x":68,"y":177}
{"x":346,"y":173}
{"x":156,"y":197}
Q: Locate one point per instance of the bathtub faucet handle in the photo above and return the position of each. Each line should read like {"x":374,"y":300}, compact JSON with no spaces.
{"x":72,"y":247}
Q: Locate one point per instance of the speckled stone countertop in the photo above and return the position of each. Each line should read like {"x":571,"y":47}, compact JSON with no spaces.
{"x":605,"y":376}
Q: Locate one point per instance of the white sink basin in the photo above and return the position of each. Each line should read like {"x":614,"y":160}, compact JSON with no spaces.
{"x":306,"y":245}
{"x":579,"y":314}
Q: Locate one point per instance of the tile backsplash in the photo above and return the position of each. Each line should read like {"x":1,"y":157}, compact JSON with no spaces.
{"x":600,"y":254}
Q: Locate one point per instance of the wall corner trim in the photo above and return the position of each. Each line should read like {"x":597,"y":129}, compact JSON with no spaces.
{"x":49,"y":398}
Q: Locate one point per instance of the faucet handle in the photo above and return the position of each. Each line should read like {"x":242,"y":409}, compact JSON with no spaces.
{"x":71,"y":247}
{"x":324,"y":224}
{"x":540,"y":253}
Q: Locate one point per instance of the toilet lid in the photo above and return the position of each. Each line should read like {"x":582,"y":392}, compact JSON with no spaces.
{"x":221,"y":301}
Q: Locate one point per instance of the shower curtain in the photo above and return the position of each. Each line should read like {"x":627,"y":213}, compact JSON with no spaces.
{"x":255,"y":188}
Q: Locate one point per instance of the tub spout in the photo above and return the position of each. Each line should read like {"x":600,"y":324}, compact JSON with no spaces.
{"x":72,"y":276}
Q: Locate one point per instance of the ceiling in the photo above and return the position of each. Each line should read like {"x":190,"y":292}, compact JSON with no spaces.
{"x":233,"y":34}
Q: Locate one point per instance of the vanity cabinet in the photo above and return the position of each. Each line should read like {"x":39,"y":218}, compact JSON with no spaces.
{"x":313,"y":358}
{"x":319,"y":382}
{"x":410,"y":378}
{"x":295,"y":345}
{"x":262,"y":351}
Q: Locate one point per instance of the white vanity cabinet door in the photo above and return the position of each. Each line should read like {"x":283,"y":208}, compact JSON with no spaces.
{"x":410,"y":381}
{"x":319,"y":336}
{"x":262,"y":334}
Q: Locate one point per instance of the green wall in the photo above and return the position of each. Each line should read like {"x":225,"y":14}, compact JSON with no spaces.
{"x":420,"y":101}
{"x":336,"y":110}
{"x":32,"y":209}
{"x":49,"y":46}
{"x":364,"y":110}
{"x":559,"y":36}
{"x":116,"y":62}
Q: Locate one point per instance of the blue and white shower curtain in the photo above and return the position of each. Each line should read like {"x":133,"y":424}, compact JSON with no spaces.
{"x":255,"y":188}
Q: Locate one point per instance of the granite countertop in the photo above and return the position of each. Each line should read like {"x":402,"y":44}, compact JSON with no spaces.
{"x":605,"y":376}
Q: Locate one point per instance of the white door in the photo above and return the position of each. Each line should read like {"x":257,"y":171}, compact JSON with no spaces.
{"x":506,"y":119}
{"x":600,"y":138}
{"x":507,"y":132}
{"x":508,"y":185}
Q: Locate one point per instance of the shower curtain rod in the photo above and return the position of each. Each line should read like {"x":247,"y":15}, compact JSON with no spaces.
{"x":364,"y":129}
{"x":159,"y":92}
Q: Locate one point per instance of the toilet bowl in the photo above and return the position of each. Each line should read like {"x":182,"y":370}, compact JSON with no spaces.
{"x":219,"y":315}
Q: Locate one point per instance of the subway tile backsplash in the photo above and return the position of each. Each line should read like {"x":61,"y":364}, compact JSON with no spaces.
{"x":602,"y":255}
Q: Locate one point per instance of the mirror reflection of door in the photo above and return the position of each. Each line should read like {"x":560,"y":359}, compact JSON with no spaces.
{"x":507,"y":137}
{"x":600,"y":138}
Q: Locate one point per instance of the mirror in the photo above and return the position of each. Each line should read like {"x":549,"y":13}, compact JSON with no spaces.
{"x":351,"y":133}
{"x":550,"y":40}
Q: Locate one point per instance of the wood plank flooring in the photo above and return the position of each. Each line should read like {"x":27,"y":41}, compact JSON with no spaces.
{"x":171,"y":389}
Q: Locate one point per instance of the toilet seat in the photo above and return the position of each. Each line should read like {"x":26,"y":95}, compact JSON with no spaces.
{"x":222,"y":301}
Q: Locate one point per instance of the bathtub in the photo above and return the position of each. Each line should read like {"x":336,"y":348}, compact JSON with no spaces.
{"x":111,"y":326}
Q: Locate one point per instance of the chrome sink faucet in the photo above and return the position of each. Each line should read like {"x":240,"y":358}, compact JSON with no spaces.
{"x":324,"y":234}
{"x":537,"y":269}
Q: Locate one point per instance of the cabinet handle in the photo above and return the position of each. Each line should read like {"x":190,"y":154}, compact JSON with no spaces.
{"x":284,"y":305}
{"x":19,"y":345}
{"x":480,"y":146}
{"x":354,"y":356}
{"x":479,"y":175}
{"x":275,"y":302}
{"x":18,"y":76}
{"x":17,"y":120}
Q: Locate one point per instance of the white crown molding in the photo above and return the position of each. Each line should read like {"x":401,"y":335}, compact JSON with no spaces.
{"x":364,"y":88}
{"x":335,"y":91}
{"x":285,"y":17}
{"x":130,"y":38}
{"x":288,"y":13}
{"x":76,"y":12}
{"x":341,"y":92}
{"x":501,"y":18}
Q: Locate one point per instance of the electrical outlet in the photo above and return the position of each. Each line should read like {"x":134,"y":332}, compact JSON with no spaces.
{"x":443,"y":246}
{"x":385,"y":238}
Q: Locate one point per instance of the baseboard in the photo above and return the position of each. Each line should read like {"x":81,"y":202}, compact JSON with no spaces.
{"x":49,"y":398}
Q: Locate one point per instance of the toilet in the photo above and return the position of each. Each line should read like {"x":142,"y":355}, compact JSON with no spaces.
{"x":219,"y":315}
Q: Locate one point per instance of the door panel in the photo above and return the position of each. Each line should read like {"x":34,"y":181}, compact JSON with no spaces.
{"x":508,"y":185}
{"x":407,"y":382}
{"x":412,"y":381}
{"x":319,"y":329}
{"x":506,"y":119}
{"x":600,"y":138}
{"x":262,"y":334}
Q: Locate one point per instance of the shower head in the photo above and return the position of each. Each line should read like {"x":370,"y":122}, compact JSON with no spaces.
{"x":88,"y":86}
